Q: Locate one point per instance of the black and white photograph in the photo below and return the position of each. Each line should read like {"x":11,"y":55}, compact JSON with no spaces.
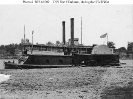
{"x":66,"y":49}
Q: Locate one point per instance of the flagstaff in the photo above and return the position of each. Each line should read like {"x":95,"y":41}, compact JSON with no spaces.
{"x":32,"y":42}
{"x":107,"y":39}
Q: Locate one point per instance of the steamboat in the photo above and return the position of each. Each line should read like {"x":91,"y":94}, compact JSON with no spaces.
{"x":74,"y":56}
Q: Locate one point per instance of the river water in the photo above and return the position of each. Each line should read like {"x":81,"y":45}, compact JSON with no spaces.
{"x":69,"y":83}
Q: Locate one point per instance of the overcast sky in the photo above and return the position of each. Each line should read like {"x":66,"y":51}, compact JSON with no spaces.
{"x":46,"y":21}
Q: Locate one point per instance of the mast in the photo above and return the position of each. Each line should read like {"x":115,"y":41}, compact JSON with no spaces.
{"x":132,"y":31}
{"x":24,"y":37}
{"x":32,"y":42}
{"x":81,"y":30}
{"x":107,"y":39}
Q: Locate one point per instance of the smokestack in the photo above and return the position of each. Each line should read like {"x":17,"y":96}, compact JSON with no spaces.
{"x":63,"y":32}
{"x":72,"y":32}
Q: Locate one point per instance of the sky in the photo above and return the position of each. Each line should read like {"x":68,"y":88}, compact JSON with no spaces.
{"x":46,"y":21}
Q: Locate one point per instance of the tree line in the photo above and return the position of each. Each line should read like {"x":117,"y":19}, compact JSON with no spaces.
{"x":10,"y":49}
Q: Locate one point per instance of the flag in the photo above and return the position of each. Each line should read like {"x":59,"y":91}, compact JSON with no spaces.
{"x":103,"y":36}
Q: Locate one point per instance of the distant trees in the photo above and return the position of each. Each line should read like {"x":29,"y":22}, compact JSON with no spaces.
{"x":20,"y":46}
{"x":122,"y":49}
{"x":111,"y":44}
{"x":10,"y":49}
{"x":126,"y":53}
{"x":26,"y":41}
{"x":130,"y":49}
{"x":57,"y":43}
{"x":49,"y":43}
{"x":2,"y":47}
{"x":122,"y":52}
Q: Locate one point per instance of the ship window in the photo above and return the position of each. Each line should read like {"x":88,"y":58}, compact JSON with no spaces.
{"x":61,"y":61}
{"x":47,"y":61}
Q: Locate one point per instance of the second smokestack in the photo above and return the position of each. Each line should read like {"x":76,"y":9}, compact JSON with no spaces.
{"x":72,"y":31}
{"x":63,"y":32}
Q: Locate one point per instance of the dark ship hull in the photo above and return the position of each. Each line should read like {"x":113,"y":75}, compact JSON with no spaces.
{"x":61,"y":61}
{"x":31,"y":66}
{"x":40,"y":61}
